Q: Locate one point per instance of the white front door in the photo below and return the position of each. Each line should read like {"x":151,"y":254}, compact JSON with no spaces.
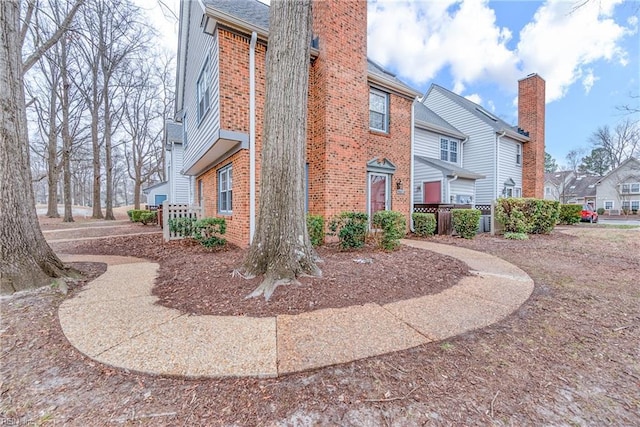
{"x":379,"y":193}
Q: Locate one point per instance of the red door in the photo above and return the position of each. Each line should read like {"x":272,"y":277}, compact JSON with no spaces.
{"x":431,"y":192}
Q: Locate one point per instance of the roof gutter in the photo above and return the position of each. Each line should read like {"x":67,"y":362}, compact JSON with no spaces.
{"x":390,"y":84}
{"x":435,"y":128}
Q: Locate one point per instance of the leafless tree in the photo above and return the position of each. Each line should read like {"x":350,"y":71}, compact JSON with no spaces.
{"x":26,"y":260}
{"x":280,"y":249}
{"x":620,"y":143}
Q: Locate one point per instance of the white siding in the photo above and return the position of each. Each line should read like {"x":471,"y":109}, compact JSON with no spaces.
{"x":424,"y":173}
{"x":200,"y":133}
{"x":427,"y":144}
{"x":479,"y":149}
{"x":464,"y":187}
{"x":507,"y":167}
{"x":180,"y":190}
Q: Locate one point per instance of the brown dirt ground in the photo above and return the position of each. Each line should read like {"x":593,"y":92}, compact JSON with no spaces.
{"x":568,"y":356}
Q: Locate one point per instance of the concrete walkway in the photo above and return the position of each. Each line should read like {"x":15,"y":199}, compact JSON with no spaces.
{"x":114,"y":320}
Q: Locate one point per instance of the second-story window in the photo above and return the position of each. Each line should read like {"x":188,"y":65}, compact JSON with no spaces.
{"x":518,"y":154}
{"x":378,"y":111}
{"x":203,"y":94}
{"x":448,"y":150}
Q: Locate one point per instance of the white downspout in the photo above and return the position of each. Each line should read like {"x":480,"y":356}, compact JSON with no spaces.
{"x":449,"y":181}
{"x":252,"y":135}
{"x":411,"y":194}
{"x":497,"y":168}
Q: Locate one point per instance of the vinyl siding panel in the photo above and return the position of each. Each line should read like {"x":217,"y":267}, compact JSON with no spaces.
{"x":427,"y":144}
{"x":507,"y":167}
{"x":200,"y":131}
{"x":464,"y":187}
{"x":180,"y":193}
{"x":479,"y":149}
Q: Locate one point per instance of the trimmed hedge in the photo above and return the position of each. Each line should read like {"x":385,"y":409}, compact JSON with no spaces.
{"x":207,"y":231}
{"x":527,"y":215}
{"x":570,"y":214}
{"x":182,"y":226}
{"x":465,"y":222}
{"x":351,"y":229}
{"x":142,"y":215}
{"x":393,"y":226}
{"x":315,"y":228}
{"x":424,"y":224}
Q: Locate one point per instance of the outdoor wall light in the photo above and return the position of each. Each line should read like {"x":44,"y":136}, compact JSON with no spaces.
{"x":399,"y":184}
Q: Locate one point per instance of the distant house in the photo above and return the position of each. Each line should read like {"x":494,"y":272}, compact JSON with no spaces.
{"x":619,"y":190}
{"x":176,"y":189}
{"x":359,"y":133}
{"x":487,"y":157}
{"x":567,"y":187}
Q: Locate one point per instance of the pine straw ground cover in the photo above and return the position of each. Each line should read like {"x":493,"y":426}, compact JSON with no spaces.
{"x":569,"y":356}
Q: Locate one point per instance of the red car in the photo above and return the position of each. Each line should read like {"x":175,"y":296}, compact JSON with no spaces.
{"x":588,"y":214}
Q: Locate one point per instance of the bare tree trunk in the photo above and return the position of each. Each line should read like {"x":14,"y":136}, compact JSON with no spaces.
{"x":66,"y":136}
{"x":26,"y":260}
{"x":107,"y":157}
{"x":281,"y":249}
{"x":52,"y":155}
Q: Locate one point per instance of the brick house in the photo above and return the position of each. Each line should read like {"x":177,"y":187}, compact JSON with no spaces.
{"x":359,"y":135}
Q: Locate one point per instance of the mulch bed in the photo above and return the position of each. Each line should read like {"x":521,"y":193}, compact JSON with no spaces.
{"x":205,"y":283}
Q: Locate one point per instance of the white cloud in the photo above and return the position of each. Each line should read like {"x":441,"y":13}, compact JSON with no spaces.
{"x":420,"y":39}
{"x":589,"y":80}
{"x":474,"y":97}
{"x":561,"y":41}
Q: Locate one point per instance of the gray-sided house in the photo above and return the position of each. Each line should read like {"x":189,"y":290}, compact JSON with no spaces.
{"x":619,"y":190}
{"x":176,"y":189}
{"x":438,"y":157}
{"x":471,"y":145}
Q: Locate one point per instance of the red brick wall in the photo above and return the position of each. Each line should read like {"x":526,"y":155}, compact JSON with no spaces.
{"x":531,"y":118}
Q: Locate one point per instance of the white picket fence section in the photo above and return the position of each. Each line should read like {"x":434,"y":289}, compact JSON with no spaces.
{"x":173,"y":211}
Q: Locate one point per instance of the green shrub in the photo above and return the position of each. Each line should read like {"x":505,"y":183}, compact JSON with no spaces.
{"x":529,"y":215}
{"x":351,"y":229}
{"x":570,"y":214}
{"x":424,"y":224}
{"x":147,"y":216}
{"x":182,"y":226}
{"x":207,"y":231}
{"x":600,"y":211}
{"x":516,"y":236}
{"x":129,"y":214}
{"x":135,"y":215}
{"x":465,"y":222}
{"x":393,"y":226}
{"x":315,"y":228}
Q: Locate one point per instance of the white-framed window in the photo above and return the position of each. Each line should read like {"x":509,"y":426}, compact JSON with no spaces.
{"x":635,"y":205}
{"x":630,"y":188}
{"x":225,"y":190}
{"x":508,"y":192}
{"x":517,"y":192}
{"x":518,"y":154}
{"x":203,"y":92}
{"x":626,"y":205}
{"x":608,"y":204}
{"x":449,"y":150}
{"x":378,"y":110}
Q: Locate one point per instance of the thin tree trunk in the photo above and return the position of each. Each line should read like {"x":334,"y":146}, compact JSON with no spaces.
{"x":66,"y":137}
{"x":95,"y":145}
{"x":107,"y":150}
{"x":281,"y":249}
{"x":52,"y":154}
{"x":26,"y":260}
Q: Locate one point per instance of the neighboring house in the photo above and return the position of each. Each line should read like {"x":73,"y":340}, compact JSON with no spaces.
{"x":619,"y":190}
{"x":359,"y":133}
{"x":438,"y":176}
{"x":504,"y":160}
{"x":176,"y":188}
{"x":556,"y":185}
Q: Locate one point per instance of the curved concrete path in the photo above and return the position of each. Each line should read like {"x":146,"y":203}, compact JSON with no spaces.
{"x":115,"y":320}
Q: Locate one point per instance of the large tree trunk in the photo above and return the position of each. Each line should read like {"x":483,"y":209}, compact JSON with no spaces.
{"x":95,"y":146}
{"x":281,"y":249}
{"x":26,"y":260}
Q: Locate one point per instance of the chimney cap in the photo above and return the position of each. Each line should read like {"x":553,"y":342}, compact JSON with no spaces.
{"x":530,"y":76}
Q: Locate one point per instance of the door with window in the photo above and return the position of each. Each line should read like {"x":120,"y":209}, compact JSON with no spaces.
{"x":379,"y":194}
{"x":432,"y":192}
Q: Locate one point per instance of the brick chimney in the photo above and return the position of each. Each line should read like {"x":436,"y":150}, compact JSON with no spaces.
{"x":531,"y":109}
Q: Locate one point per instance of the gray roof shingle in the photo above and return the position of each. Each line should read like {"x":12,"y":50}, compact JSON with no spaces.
{"x":449,"y":169}
{"x":250,"y":11}
{"x":425,"y":114}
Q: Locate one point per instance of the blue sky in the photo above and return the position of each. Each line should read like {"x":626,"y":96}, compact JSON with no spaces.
{"x":479,"y":49}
